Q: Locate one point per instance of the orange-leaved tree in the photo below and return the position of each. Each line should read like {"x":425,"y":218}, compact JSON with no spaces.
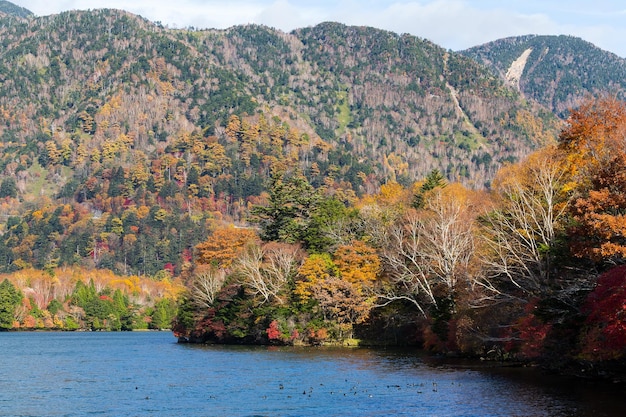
{"x":316,"y":268}
{"x":336,"y":292}
{"x":223,"y":246}
{"x":358,"y":264}
{"x":595,"y":143}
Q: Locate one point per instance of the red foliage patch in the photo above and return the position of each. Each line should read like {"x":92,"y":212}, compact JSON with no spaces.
{"x":169,"y":267}
{"x":187,"y":255}
{"x":273,"y":332}
{"x":532,"y":336}
{"x":294,"y":335}
{"x":605,"y":328}
{"x":527,"y":335}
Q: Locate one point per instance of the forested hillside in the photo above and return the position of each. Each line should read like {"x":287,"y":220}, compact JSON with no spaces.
{"x":9,"y":8}
{"x":124,"y":142}
{"x":556,"y":71}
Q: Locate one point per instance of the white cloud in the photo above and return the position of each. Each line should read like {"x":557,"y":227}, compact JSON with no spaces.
{"x":453,"y":24}
{"x":283,"y":15}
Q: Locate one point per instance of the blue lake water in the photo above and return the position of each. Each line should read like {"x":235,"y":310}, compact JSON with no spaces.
{"x":149,"y":374}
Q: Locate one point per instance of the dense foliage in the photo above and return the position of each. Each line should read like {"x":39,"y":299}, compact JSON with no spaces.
{"x":76,"y":298}
{"x":124,"y":155}
{"x":508,"y":273}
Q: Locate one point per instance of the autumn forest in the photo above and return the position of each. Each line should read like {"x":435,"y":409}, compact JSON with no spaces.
{"x":529,"y":269}
{"x":331,"y":186}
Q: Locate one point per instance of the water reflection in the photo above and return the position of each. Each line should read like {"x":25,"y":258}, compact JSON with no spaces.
{"x":559,"y":395}
{"x":416,"y":382}
{"x":150,"y":375}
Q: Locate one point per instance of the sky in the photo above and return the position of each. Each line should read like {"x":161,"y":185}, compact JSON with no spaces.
{"x":452,"y":24}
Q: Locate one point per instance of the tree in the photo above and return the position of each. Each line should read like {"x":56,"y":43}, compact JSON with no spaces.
{"x":341,"y":301}
{"x":290,"y":208}
{"x":8,"y":187}
{"x":163,"y":314}
{"x":523,"y":230}
{"x":315,"y":268}
{"x":224,"y":246}
{"x":10,"y":299}
{"x":40,"y":288}
{"x":595,"y":146}
{"x":604,"y":335}
{"x":321,"y":285}
{"x":331,"y":224}
{"x":592,"y":132}
{"x":599,"y":230}
{"x":433,"y":180}
{"x":358,"y":264}
{"x":428,"y":252}
{"x":268,"y":269}
{"x":206,"y":283}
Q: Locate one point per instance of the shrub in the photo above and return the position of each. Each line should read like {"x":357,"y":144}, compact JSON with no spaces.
{"x":604,"y":333}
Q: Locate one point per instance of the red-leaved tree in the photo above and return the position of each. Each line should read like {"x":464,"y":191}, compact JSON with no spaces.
{"x":604,"y":336}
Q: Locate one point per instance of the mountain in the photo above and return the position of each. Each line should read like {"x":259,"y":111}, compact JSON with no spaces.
{"x":11,"y":9}
{"x":399,"y":104}
{"x":120,"y":137}
{"x":556,"y":71}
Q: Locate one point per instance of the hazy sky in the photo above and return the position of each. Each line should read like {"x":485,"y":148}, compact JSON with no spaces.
{"x":453,"y":24}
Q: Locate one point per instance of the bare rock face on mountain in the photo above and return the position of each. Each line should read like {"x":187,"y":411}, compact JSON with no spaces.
{"x":515,"y":71}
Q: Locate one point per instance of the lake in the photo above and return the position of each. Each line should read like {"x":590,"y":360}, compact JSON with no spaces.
{"x":149,"y":374}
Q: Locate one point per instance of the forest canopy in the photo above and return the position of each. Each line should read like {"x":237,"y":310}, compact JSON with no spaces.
{"x":525,"y":270}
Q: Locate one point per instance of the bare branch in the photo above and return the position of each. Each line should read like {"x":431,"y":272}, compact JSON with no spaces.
{"x":267,"y":270}
{"x":522,"y":231}
{"x":207,"y":282}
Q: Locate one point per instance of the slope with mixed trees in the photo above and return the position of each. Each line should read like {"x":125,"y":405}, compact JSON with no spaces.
{"x":392,"y":101}
{"x":556,"y":71}
{"x":531,"y":270}
{"x":11,"y":9}
{"x":123,"y":142}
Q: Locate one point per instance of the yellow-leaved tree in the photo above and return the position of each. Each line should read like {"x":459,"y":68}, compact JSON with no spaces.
{"x":224,"y":246}
{"x":595,"y":147}
{"x":358,"y":264}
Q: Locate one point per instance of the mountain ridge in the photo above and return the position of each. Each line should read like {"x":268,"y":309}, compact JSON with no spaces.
{"x":243,"y":65}
{"x":560,"y":70}
{"x":134,"y":130}
{"x":11,"y":9}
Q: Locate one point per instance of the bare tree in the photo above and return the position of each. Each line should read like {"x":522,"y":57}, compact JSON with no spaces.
{"x":448,"y":234}
{"x":430,"y":250}
{"x":206,"y":284}
{"x":521,"y":231}
{"x":402,"y":258}
{"x":267,"y":270}
{"x":343,"y":230}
